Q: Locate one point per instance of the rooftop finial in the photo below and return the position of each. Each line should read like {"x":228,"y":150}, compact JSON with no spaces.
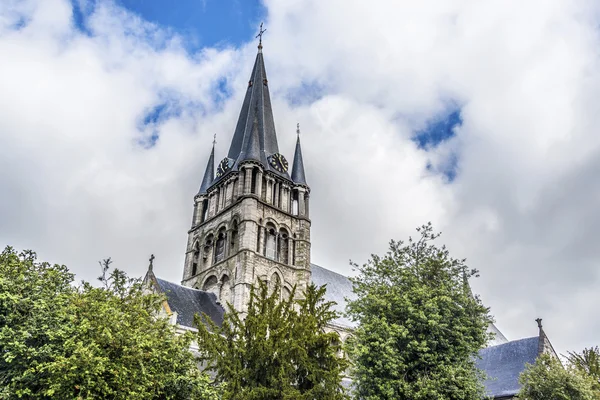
{"x":298,"y":128}
{"x":259,"y":36}
{"x":539,"y":322}
{"x":214,"y":140}
{"x":151,"y":262}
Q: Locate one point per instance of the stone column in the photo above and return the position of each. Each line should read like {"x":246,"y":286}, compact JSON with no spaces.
{"x":276,"y":195}
{"x":212,"y":206}
{"x":301,"y":205}
{"x":240,"y":190}
{"x":259,"y":177}
{"x":195,"y":215}
{"x":306,"y":207}
{"x":262,"y":233}
{"x":285,"y":198}
{"x":248,"y":183}
{"x":269,"y":193}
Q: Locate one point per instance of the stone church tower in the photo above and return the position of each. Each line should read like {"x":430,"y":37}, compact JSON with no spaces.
{"x":251,"y":221}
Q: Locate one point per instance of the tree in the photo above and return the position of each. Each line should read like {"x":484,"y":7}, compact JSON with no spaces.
{"x":63,"y":341}
{"x":280,"y":350}
{"x":588,"y":363}
{"x":547,"y":379}
{"x":420,"y":328}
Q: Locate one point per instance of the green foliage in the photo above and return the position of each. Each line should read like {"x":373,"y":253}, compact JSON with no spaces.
{"x":420,"y":328}
{"x":280,"y":350}
{"x":548,"y":380}
{"x":62,"y":341}
{"x":588,"y":363}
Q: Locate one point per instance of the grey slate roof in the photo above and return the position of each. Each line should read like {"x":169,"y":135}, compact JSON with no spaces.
{"x":256,"y":114}
{"x":504,"y":363}
{"x":339,"y":288}
{"x":209,"y":173}
{"x":187,"y":302}
{"x":298,"y":175}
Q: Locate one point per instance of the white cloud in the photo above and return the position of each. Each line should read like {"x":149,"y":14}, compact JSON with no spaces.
{"x":78,"y":185}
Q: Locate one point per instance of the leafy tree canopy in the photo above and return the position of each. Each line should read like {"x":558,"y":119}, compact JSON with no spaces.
{"x":58,"y":340}
{"x":547,"y":379}
{"x":588,"y":363}
{"x":420,"y":327}
{"x":279,"y":350}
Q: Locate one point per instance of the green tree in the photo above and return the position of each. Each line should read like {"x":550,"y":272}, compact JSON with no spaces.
{"x":547,"y":379}
{"x":587,"y":362}
{"x":58,"y":340}
{"x":279,"y":350}
{"x":420,"y":328}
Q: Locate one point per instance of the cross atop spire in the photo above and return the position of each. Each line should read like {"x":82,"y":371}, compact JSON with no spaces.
{"x":261,"y":31}
{"x":151,"y":262}
{"x":298,"y":128}
{"x":214,"y":140}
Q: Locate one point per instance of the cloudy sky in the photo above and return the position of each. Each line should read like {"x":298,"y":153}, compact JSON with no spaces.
{"x":479,"y":116}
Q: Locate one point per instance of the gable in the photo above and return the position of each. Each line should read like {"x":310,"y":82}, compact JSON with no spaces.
{"x":504,"y":363}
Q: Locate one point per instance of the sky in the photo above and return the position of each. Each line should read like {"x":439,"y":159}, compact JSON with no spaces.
{"x":480,"y":117}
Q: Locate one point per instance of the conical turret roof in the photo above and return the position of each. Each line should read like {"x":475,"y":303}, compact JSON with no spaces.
{"x":298,"y":175}
{"x":209,"y":173}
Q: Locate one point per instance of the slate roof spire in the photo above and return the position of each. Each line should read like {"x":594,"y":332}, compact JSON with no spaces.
{"x":256,"y":117}
{"x":209,"y":173}
{"x":298,"y":175}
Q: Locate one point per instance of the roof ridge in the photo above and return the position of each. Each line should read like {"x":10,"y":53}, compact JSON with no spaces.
{"x":185,"y":287}
{"x":509,"y":342}
{"x":330,"y":270}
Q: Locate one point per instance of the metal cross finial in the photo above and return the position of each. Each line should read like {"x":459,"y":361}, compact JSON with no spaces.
{"x":151,"y":261}
{"x":298,"y":128}
{"x":215,"y":139}
{"x":260,"y":34}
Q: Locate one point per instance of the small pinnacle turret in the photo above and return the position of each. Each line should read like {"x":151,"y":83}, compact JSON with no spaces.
{"x":298,"y":175}
{"x":209,"y":173}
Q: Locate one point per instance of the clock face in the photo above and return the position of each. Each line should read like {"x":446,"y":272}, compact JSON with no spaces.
{"x":278,"y":162}
{"x":224,"y":166}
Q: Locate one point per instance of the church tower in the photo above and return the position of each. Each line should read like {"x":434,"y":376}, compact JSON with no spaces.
{"x":251,"y":221}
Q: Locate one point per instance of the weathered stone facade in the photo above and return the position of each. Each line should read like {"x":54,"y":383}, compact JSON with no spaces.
{"x":249,"y":226}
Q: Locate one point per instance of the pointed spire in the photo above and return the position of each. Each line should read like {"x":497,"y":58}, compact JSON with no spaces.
{"x":209,"y":173}
{"x":252,"y":151}
{"x":256,"y":113}
{"x":298,"y":175}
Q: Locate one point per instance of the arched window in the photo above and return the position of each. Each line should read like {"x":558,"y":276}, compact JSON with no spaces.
{"x":233,"y":239}
{"x":295,"y":202}
{"x":285,"y":293}
{"x":220,"y":247}
{"x":274,"y":283}
{"x":211,"y":285}
{"x":271,"y":242}
{"x":195,"y":258}
{"x":225,"y":295}
{"x":283,"y":246}
{"x":204,"y":210}
{"x":254,"y":184}
{"x":206,"y":250}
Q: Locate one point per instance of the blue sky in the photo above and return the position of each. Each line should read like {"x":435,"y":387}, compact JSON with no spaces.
{"x":201,"y":22}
